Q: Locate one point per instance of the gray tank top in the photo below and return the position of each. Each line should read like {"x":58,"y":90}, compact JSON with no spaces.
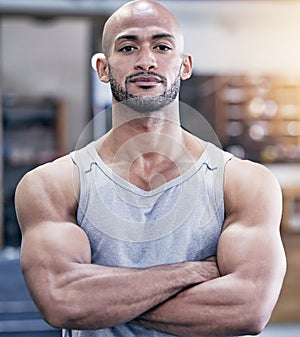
{"x":180,"y":220}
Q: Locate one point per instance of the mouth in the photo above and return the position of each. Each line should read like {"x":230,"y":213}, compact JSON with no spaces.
{"x":146,"y":81}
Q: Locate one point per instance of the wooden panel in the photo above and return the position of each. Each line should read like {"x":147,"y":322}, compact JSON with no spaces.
{"x":291,"y":210}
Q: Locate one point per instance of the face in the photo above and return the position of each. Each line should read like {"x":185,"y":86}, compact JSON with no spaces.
{"x":145,"y":63}
{"x":145,"y":80}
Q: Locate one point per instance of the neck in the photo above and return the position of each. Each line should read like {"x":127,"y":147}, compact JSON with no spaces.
{"x":134,"y":134}
{"x":148,"y":148}
{"x":145,"y":121}
{"x":143,"y":136}
{"x":149,"y":158}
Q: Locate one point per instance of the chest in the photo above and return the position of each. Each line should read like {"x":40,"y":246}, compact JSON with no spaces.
{"x":126,"y":229}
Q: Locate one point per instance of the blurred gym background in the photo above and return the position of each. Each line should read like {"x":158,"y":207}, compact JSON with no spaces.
{"x":246,"y":84}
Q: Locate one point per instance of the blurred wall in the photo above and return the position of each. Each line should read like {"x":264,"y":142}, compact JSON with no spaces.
{"x":43,"y":58}
{"x":241,"y":36}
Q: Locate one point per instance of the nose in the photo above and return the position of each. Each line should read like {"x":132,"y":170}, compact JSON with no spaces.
{"x":146,"y":60}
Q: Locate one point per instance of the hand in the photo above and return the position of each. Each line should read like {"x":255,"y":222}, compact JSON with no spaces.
{"x":203,"y":270}
{"x":210,"y":269}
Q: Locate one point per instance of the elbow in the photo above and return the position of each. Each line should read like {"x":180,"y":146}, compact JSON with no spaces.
{"x":60,"y":318}
{"x":255,"y":325}
{"x":54,"y":315}
{"x":58,"y":312}
{"x":256,"y":320}
{"x":66,"y":313}
{"x":257,"y":307}
{"x":54,"y":320}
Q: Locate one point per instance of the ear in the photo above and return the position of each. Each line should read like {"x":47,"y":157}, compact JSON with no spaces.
{"x":101,"y":65}
{"x":187,"y":66}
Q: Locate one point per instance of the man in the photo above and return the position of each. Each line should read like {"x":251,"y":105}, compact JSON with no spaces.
{"x":149,"y":231}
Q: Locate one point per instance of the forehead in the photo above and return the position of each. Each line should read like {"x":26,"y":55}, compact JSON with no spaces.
{"x":144,"y":24}
{"x":142,"y":20}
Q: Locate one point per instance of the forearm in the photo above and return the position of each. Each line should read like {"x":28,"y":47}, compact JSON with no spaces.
{"x":87,"y":296}
{"x":241,"y":301}
{"x":225,"y":306}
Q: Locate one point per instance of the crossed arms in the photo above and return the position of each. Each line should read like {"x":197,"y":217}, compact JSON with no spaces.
{"x":233,"y":296}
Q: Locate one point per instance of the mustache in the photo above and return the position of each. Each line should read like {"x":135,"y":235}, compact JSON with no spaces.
{"x":129,"y":77}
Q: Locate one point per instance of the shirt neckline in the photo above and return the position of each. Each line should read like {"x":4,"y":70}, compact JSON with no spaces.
{"x":137,"y":190}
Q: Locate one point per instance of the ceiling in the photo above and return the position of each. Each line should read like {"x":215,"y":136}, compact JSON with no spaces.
{"x":83,"y":7}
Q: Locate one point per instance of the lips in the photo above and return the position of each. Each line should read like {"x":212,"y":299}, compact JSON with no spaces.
{"x":146,"y":80}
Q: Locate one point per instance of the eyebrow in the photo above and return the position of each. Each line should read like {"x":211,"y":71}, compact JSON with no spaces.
{"x":154,"y":37}
{"x":127,"y":37}
{"x":162,"y":36}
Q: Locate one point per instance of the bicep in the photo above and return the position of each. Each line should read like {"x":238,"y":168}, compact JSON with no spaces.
{"x":54,"y":245}
{"x":51,"y":239}
{"x":252,"y":254}
{"x":250,"y":246}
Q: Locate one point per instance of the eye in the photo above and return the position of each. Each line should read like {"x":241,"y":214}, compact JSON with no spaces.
{"x":162,"y":47}
{"x":127,"y":49}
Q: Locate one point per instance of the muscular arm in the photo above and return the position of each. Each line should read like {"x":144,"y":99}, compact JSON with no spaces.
{"x":68,"y":290}
{"x":250,"y":258}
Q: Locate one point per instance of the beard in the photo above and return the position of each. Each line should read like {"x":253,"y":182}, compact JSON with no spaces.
{"x":141,"y":103}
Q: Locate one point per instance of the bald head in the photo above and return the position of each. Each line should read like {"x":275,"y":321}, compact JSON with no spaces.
{"x":140,"y":14}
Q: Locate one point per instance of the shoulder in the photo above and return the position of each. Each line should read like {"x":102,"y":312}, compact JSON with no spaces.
{"x":50,"y":176}
{"x":250,"y":188}
{"x":50,"y":190}
{"x":243,"y":174}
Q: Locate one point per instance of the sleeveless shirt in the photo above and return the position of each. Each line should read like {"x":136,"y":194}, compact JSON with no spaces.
{"x":178,"y":221}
